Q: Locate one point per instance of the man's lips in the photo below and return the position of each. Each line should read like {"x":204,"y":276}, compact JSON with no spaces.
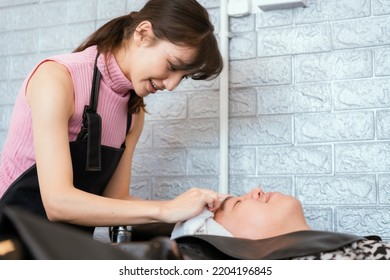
{"x":268,"y":196}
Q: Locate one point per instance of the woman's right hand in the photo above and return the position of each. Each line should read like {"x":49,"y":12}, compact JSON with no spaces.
{"x":189,"y":204}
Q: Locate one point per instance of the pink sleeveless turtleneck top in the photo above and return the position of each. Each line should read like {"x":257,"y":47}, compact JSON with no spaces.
{"x":18,"y":151}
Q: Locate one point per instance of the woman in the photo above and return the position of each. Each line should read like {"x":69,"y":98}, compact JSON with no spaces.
{"x":78,"y":117}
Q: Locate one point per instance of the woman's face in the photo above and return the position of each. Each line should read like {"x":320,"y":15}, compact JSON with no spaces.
{"x":153,"y":65}
{"x":257,"y":215}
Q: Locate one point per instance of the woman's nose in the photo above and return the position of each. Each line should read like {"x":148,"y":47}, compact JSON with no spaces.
{"x":172,"y":81}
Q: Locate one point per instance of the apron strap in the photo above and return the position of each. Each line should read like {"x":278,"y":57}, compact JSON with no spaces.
{"x":92,"y":125}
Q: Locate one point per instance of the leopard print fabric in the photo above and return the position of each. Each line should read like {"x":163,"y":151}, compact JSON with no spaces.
{"x":359,"y":250}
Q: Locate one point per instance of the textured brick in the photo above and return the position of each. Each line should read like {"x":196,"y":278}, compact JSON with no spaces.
{"x":360,"y":33}
{"x":3,"y":91}
{"x":159,"y":162}
{"x":324,"y":127}
{"x":334,"y":66}
{"x":261,"y":71}
{"x":141,"y":187}
{"x":242,"y":24}
{"x":319,"y":218}
{"x":332,"y":10}
{"x":380,"y":7}
{"x":187,"y":133}
{"x":384,"y":188}
{"x":65,"y":37}
{"x":362,"y":157}
{"x":3,"y":135}
{"x":382,"y":62}
{"x":5,"y":115}
{"x":240,"y":185}
{"x":5,"y":42}
{"x":242,"y":102}
{"x":8,"y":3}
{"x":80,"y":11}
{"x":166,"y":106}
{"x":209,"y":3}
{"x":383,"y":124}
{"x":22,"y":65}
{"x":260,"y":131}
{"x":203,"y":104}
{"x":6,"y":21}
{"x":15,"y":42}
{"x":203,"y":162}
{"x":214,"y":14}
{"x":294,"y":160}
{"x":337,"y":190}
{"x":135,"y":5}
{"x":294,"y":40}
{"x":242,"y":46}
{"x":146,"y":138}
{"x":294,"y":99}
{"x":44,"y":15}
{"x":101,"y":22}
{"x":274,"y":18}
{"x":5,"y":68}
{"x":169,"y":188}
{"x":109,"y":9}
{"x":364,"y":220}
{"x":361,"y":94}
{"x":242,"y":161}
{"x":191,"y":85}
{"x":8,"y":92}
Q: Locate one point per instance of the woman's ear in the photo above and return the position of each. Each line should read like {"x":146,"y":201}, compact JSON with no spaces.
{"x":143,"y":33}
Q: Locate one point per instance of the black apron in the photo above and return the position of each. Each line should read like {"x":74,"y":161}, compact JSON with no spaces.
{"x":93,"y":164}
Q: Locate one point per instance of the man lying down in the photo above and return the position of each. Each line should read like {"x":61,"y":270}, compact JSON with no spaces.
{"x":270,"y":225}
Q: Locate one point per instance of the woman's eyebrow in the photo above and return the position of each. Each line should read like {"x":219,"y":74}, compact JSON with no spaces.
{"x":181,"y":65}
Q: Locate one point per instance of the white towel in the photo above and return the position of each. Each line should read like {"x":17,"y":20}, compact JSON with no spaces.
{"x":201,"y":224}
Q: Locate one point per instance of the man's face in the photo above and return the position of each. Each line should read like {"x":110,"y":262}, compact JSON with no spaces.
{"x":257,"y":215}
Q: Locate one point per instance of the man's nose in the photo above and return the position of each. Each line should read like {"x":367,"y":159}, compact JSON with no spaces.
{"x":254,"y":193}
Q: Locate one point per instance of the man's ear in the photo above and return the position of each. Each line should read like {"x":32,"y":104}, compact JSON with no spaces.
{"x":143,"y":33}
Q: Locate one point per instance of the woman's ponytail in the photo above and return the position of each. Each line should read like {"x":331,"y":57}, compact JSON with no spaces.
{"x":109,"y":36}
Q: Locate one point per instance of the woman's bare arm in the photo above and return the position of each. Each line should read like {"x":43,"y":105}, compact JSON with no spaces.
{"x":50,"y":96}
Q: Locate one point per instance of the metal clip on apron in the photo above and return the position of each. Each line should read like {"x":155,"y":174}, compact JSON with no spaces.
{"x":93,"y":164}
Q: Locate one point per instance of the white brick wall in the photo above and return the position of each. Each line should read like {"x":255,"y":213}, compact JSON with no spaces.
{"x":309,"y":104}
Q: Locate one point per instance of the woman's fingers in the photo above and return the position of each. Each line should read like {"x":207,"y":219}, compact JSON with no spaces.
{"x":191,"y":203}
{"x":214,"y":202}
{"x":222,"y":196}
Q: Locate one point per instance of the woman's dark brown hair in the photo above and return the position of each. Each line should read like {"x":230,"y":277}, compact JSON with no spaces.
{"x":181,"y":22}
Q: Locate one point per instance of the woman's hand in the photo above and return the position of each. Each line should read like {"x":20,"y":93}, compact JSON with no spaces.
{"x":190,"y":204}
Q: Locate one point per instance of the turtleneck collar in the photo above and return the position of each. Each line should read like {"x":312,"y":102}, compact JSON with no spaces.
{"x":112,"y":75}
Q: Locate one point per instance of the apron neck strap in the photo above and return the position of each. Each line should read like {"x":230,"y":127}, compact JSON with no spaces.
{"x":92,"y":125}
{"x":93,"y":102}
